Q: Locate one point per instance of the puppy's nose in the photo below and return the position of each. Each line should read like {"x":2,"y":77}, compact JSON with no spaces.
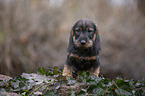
{"x":83,"y":42}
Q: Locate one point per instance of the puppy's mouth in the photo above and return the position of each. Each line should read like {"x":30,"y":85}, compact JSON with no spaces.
{"x":83,"y":43}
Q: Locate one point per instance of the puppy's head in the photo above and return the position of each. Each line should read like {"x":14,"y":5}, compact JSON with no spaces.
{"x":84,"y":34}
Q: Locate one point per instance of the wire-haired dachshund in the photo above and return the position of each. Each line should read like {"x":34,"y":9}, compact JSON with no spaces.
{"x":83,"y":49}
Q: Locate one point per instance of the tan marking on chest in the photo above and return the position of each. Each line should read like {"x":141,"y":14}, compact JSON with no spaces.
{"x":85,"y":58}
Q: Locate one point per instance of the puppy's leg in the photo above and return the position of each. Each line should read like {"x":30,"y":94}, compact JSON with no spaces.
{"x":94,"y":71}
{"x":67,"y":71}
{"x":97,"y":71}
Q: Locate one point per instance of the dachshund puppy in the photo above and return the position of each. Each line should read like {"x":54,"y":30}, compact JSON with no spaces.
{"x":83,"y":49}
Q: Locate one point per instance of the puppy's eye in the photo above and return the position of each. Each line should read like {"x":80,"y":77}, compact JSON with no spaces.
{"x":90,"y":31}
{"x":77,"y":31}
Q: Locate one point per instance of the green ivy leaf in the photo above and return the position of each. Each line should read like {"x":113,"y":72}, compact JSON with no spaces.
{"x":68,"y":78}
{"x":120,"y":91}
{"x":98,"y":91}
{"x":49,"y":73}
{"x":41,"y":70}
{"x":72,"y":93}
{"x":123,"y":84}
{"x":55,"y":72}
{"x":51,"y":93}
{"x":71,"y":82}
{"x":95,"y":78}
{"x":55,"y":68}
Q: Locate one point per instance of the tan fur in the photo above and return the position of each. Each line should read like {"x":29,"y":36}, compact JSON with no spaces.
{"x":67,"y":71}
{"x":96,"y":72}
{"x":72,"y":33}
{"x":85,"y":58}
{"x":87,"y":45}
{"x":94,"y":37}
{"x":74,"y":38}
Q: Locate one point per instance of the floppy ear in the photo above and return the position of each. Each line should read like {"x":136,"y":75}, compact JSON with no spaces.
{"x":97,"y":40}
{"x":71,"y":44}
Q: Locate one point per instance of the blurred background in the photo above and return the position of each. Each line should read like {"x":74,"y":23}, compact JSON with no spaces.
{"x":35,"y":33}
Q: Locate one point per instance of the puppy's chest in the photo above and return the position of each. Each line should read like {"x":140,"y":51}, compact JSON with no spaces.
{"x":82,"y":62}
